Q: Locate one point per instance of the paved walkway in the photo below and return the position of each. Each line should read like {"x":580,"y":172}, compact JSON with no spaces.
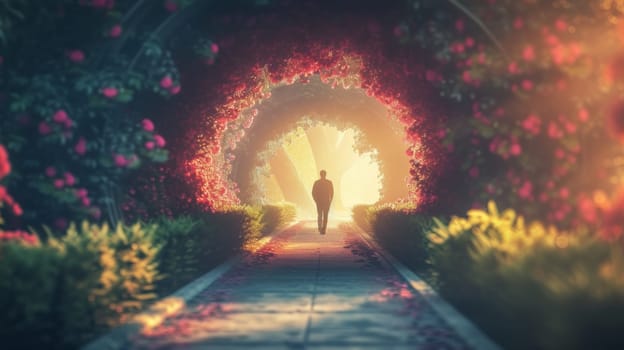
{"x":307,"y":291}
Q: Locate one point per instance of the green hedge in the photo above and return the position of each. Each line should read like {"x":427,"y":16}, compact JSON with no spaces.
{"x":276,"y":216}
{"x":399,"y":229}
{"x":63,"y":292}
{"x":528,"y":285}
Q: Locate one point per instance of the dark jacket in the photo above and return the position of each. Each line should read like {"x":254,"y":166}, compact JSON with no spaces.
{"x":323,"y":191}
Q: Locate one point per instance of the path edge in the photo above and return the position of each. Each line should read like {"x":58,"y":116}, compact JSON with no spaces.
{"x":471,"y":334}
{"x":116,"y":338}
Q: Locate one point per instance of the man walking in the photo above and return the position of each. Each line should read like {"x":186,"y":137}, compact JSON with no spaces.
{"x":323,"y":193}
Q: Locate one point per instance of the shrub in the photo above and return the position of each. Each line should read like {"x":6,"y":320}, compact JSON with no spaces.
{"x":235,"y":228}
{"x":180,"y":240}
{"x":276,"y":216}
{"x":558,"y":290}
{"x":28,"y":291}
{"x":360,"y":215}
{"x":61,"y":293}
{"x":402,"y":232}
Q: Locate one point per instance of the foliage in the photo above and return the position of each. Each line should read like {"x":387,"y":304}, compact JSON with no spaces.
{"x":64,"y":291}
{"x":559,"y":290}
{"x":399,"y":229}
{"x":68,"y":117}
{"x":276,"y":216}
{"x":184,"y":241}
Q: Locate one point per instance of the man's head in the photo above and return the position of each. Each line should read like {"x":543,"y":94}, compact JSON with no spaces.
{"x":323,"y":174}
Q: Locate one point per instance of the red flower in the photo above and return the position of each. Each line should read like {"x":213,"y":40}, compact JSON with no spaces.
{"x":70,"y":180}
{"x":17,"y":210}
{"x":529,"y":53}
{"x":147,"y":124}
{"x":174,"y":90}
{"x":50,"y":171}
{"x":115,"y":31}
{"x":160,"y":141}
{"x":76,"y":56}
{"x":166,"y":82}
{"x":81,"y":146}
{"x":5,"y":166}
{"x":150,"y":145}
{"x":120,"y":160}
{"x":109,"y":92}
{"x":85,"y":201}
{"x":81,"y":192}
{"x":60,"y":116}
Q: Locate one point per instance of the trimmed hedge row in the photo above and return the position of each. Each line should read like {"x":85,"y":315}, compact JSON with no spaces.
{"x":60,"y":293}
{"x":527,"y":285}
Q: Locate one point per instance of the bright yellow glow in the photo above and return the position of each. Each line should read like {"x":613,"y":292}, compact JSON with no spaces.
{"x":356,"y":177}
{"x":360,"y":184}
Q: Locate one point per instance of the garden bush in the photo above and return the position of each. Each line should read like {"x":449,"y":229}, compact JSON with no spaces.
{"x":360,"y":215}
{"x":61,"y":293}
{"x":400,"y":230}
{"x":276,"y":216}
{"x":528,"y":285}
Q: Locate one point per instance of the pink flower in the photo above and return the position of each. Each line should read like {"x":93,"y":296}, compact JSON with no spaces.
{"x":466,"y":77}
{"x":5,"y":165}
{"x":473,"y":172}
{"x":174,"y":90}
{"x":166,"y":82}
{"x":150,"y":145}
{"x":526,"y":191}
{"x":529,"y":53}
{"x":470,"y":42}
{"x":532,"y":124}
{"x":44,"y":128}
{"x":160,"y":141}
{"x":76,"y":56}
{"x":171,"y":5}
{"x":561,"y":25}
{"x":515,"y":149}
{"x":115,"y":31}
{"x":70,"y":180}
{"x":570,"y":127}
{"x":60,"y":116}
{"x":564,"y":193}
{"x":59,"y":183}
{"x":527,"y":85}
{"x":109,"y":92}
{"x":459,"y":25}
{"x":513,"y":68}
{"x":430,"y":75}
{"x":214,"y":48}
{"x":81,"y":192}
{"x":85,"y":201}
{"x":17,"y":210}
{"x":50,"y":171}
{"x":147,"y":125}
{"x":583,"y":115}
{"x":120,"y":160}
{"x":553,"y":131}
{"x":81,"y":146}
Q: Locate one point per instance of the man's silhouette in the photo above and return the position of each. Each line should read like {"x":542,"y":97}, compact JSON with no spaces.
{"x":323,"y":193}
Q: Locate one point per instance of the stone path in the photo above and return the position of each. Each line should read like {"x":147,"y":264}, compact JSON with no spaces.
{"x":306,"y":291}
